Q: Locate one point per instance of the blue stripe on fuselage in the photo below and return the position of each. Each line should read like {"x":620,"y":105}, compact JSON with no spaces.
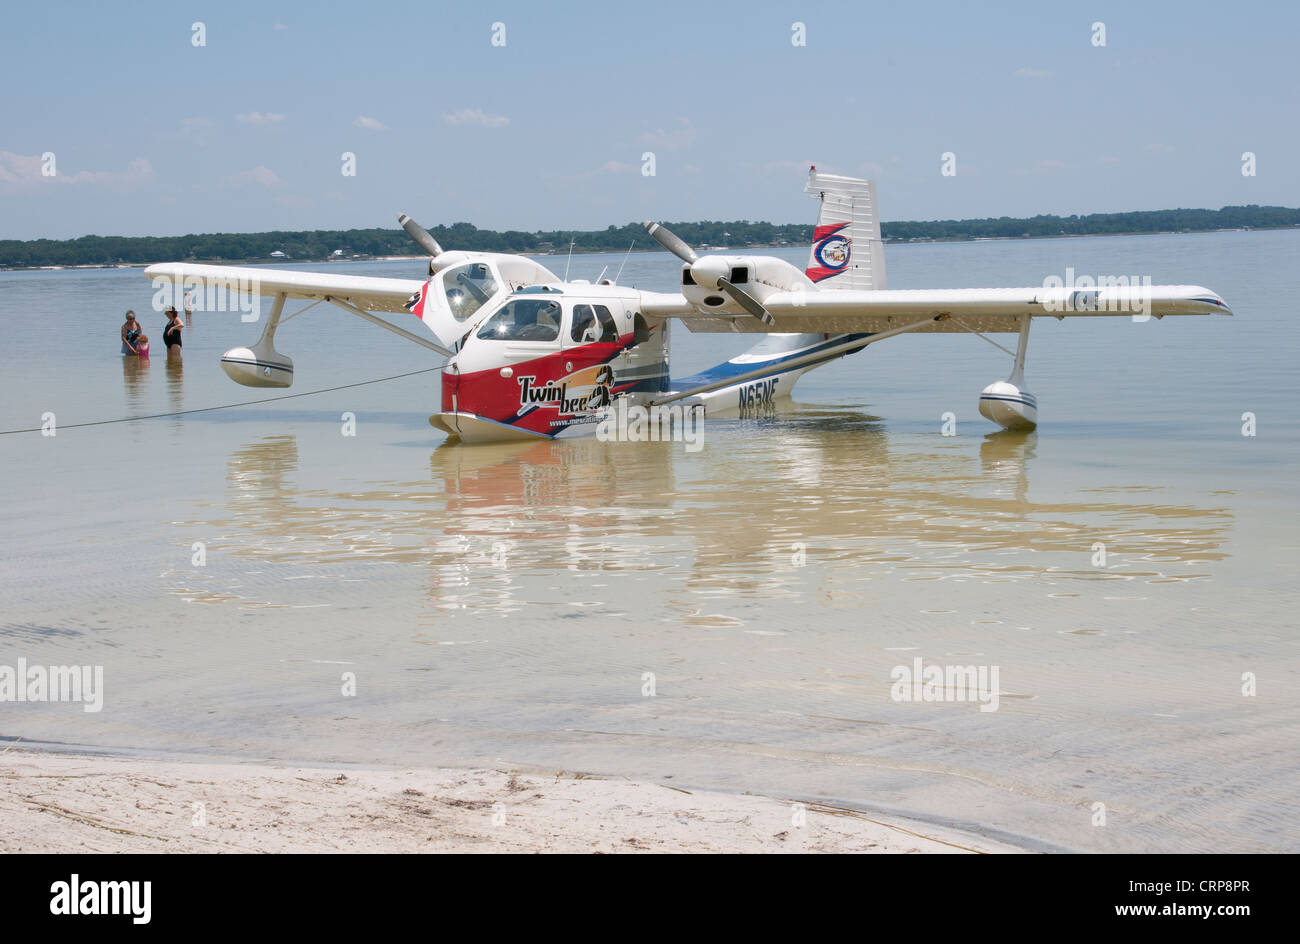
{"x":776,"y":364}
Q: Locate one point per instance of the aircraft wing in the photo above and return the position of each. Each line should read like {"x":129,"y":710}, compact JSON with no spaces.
{"x":979,"y":309}
{"x":367,"y":292}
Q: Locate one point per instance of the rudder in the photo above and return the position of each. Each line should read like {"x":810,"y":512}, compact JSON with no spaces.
{"x":847,"y":251}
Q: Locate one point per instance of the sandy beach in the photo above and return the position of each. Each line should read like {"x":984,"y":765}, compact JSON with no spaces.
{"x":88,"y":803}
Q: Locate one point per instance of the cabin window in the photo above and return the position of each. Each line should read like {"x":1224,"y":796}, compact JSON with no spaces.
{"x":524,"y":319}
{"x":608,"y":332}
{"x":468,"y":287}
{"x":584,"y":330}
{"x":739,"y":274}
{"x":592,"y":323}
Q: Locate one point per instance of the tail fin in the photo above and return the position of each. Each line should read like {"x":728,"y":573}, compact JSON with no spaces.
{"x":847,"y":251}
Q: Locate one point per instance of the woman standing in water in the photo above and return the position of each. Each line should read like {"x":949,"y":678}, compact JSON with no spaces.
{"x":172,"y":333}
{"x":130,"y":334}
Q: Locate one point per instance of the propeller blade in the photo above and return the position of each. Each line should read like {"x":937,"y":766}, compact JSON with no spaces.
{"x":670,"y":242}
{"x":420,"y":235}
{"x":748,"y":302}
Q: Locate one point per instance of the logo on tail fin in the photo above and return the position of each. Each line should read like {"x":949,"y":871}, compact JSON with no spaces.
{"x":831,"y":252}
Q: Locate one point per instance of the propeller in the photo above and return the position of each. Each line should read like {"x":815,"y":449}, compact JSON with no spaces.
{"x":671,"y":242}
{"x":747,"y":302}
{"x":709,"y":271}
{"x":420,"y":235}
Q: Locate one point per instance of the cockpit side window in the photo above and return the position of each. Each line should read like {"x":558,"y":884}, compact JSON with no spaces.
{"x":585,"y":329}
{"x":468,"y":287}
{"x":524,"y":319}
{"x":608,"y":332}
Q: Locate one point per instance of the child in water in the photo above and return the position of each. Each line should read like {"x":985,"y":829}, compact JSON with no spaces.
{"x":142,"y":345}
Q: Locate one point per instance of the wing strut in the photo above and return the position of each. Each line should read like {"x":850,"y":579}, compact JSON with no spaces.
{"x":376,"y":320}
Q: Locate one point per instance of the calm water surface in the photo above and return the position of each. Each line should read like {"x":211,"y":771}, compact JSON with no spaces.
{"x":502,"y":604}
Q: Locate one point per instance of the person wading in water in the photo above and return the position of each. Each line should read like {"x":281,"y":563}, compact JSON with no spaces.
{"x":172,"y":333}
{"x":130,"y":334}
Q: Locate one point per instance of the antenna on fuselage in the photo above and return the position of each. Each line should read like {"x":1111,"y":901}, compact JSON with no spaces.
{"x":626,"y":257}
{"x":570,"y":259}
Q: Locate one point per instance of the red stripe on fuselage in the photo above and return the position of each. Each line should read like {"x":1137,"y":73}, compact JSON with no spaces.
{"x":486,"y":393}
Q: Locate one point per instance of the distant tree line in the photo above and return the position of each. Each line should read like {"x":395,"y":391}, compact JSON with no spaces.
{"x":1100,"y":224}
{"x":317,"y":245}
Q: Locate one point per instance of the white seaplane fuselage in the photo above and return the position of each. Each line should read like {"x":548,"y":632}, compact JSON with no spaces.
{"x":550,"y":361}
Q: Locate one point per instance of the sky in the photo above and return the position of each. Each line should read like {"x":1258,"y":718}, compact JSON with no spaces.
{"x":547,"y":127}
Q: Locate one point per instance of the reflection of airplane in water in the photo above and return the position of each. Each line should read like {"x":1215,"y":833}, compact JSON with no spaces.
{"x":507,"y":515}
{"x":1004,"y":456}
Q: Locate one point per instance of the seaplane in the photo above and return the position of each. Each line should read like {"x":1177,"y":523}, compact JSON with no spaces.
{"x":529,"y":355}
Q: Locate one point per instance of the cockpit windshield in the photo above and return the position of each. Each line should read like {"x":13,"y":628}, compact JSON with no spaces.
{"x":524,"y":319}
{"x":468,"y":287}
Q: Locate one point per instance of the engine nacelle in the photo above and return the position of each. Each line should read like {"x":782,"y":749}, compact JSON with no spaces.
{"x":258,"y":366}
{"x":1010,"y":406}
{"x":760,"y":276}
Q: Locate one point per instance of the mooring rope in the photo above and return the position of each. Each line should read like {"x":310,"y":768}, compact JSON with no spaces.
{"x":225,"y":406}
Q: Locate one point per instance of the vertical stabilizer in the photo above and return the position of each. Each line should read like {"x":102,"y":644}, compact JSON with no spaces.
{"x":847,"y":251}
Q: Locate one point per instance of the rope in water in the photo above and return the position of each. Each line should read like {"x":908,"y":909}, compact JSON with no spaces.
{"x":224,"y":406}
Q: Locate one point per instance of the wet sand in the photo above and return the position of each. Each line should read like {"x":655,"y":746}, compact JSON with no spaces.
{"x":82,"y":803}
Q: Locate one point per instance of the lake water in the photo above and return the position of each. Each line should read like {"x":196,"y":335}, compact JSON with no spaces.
{"x":504,"y":605}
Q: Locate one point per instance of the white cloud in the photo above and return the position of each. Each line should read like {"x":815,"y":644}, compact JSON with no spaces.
{"x":671,"y":139}
{"x":260,"y":175}
{"x":281,"y":26}
{"x":258,"y":118}
{"x":23,"y":172}
{"x":475,"y":116}
{"x":372,"y":124}
{"x":136,"y":171}
{"x":1024,"y":72}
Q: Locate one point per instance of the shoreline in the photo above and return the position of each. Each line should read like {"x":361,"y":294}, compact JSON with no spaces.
{"x":739,"y":250}
{"x":83,"y":802}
